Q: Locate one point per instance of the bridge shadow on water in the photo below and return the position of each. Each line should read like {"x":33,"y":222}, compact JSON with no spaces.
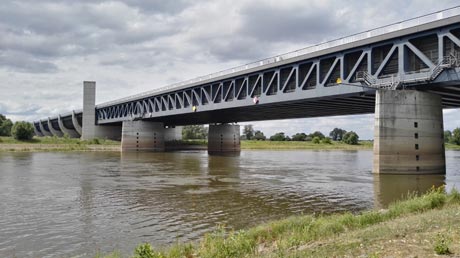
{"x":389,"y":188}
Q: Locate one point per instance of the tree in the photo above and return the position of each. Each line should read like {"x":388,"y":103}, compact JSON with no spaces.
{"x":447,"y":136}
{"x":194,"y":132}
{"x":259,"y":136}
{"x":299,"y":137}
{"x":22,"y":131}
{"x":5,"y":126}
{"x":337,"y":134}
{"x":318,"y":134}
{"x":278,"y":137}
{"x":316,"y":140}
{"x":351,"y":138}
{"x":248,"y":132}
{"x":455,"y":139}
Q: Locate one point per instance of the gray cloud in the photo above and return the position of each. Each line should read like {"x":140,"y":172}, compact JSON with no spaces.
{"x":24,"y":63}
{"x":298,"y":22}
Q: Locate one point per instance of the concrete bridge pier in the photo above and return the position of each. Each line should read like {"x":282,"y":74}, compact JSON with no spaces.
{"x":142,"y":136}
{"x":224,"y":139}
{"x":408,"y":133}
{"x":173,"y":133}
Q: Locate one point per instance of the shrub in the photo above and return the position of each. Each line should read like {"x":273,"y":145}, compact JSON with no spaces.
{"x":455,"y":138}
{"x":22,"y":131}
{"x":441,"y":244}
{"x":144,"y":251}
{"x":326,"y":140}
{"x":316,"y":140}
{"x":5,"y":126}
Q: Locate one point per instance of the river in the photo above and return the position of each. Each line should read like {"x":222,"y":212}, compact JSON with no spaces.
{"x":76,"y":204}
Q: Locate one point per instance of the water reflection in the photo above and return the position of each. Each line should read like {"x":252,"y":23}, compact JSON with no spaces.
{"x":389,"y":188}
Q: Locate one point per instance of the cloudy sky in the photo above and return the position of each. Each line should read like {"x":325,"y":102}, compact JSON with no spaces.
{"x":47,"y":48}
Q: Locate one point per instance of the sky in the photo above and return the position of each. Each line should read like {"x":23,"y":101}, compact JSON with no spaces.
{"x":48,"y":48}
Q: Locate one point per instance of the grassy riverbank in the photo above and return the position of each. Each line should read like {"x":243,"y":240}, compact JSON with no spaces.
{"x":57,"y":144}
{"x":417,"y":227}
{"x":69,"y":144}
{"x":293,"y":145}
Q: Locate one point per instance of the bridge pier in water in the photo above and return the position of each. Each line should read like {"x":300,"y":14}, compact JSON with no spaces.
{"x":142,"y":136}
{"x":224,"y":139}
{"x":408,"y":133}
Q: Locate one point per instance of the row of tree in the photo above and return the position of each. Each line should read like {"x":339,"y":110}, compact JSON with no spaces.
{"x":336,"y":134}
{"x":452,"y":137}
{"x":19,"y":130}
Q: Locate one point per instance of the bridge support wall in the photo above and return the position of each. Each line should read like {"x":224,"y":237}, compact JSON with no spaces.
{"x":37,"y":132}
{"x":42,"y":129}
{"x":142,"y":136}
{"x":70,"y":132}
{"x":89,"y":128}
{"x":76,"y":125}
{"x":408,"y":133}
{"x":223,"y":139}
{"x":173,"y":134}
{"x":53,"y":131}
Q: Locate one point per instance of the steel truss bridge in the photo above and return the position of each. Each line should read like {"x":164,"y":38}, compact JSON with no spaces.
{"x":339,"y":77}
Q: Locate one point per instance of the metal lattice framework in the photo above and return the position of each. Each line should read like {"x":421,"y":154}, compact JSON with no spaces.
{"x":338,"y":77}
{"x":408,"y":61}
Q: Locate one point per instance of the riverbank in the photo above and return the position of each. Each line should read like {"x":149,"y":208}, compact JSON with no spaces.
{"x":68,"y":144}
{"x":57,"y":144}
{"x":418,"y":227}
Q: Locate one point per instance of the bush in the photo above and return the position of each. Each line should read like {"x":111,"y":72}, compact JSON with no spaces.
{"x":316,"y":140}
{"x":278,"y":137}
{"x":351,"y":138}
{"x":22,"y":131}
{"x":441,"y":245}
{"x":144,"y":251}
{"x":5,"y":126}
{"x":326,"y":140}
{"x":455,"y":138}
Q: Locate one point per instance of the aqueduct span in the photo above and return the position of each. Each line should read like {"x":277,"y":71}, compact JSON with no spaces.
{"x":405,"y":72}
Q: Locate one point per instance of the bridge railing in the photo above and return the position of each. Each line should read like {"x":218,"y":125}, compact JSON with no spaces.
{"x":311,"y":49}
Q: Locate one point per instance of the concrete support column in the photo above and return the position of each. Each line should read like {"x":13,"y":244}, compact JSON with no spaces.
{"x":173,"y":134}
{"x":70,"y":132}
{"x":43,"y":130}
{"x":142,"y":136}
{"x":89,"y":111}
{"x":54,"y":131}
{"x":224,"y":139}
{"x":89,"y":128}
{"x":408,"y":133}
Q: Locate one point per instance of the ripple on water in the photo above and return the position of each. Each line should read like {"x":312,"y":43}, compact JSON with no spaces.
{"x":74,"y":204}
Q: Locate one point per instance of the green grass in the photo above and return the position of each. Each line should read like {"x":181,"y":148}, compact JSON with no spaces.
{"x":308,"y":145}
{"x":450,"y":146}
{"x":344,"y":234}
{"x":57,"y":140}
{"x":56,"y":144}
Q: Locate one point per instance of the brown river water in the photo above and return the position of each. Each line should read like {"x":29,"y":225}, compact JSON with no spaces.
{"x":76,"y":204}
